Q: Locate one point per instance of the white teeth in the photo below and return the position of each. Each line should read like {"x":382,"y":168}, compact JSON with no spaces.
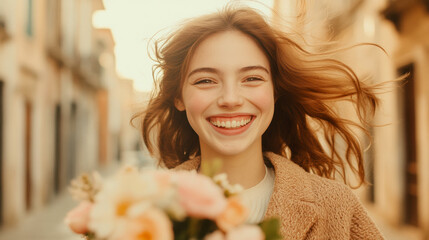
{"x":231,"y":124}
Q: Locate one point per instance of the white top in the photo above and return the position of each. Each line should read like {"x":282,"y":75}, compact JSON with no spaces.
{"x":256,"y":198}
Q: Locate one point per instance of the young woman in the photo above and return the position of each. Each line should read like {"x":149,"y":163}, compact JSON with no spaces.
{"x":232,"y":87}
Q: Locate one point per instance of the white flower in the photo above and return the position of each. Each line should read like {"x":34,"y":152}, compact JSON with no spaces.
{"x":85,"y":187}
{"x":222,"y":181}
{"x":119,"y":198}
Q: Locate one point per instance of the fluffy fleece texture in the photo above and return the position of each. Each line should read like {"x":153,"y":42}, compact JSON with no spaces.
{"x":312,"y":207}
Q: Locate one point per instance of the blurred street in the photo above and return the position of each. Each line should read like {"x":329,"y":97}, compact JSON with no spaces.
{"x":394,"y":233}
{"x":47,"y":223}
{"x":44,"y":224}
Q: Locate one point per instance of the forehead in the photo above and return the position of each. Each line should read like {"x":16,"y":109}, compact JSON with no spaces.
{"x":228,"y":50}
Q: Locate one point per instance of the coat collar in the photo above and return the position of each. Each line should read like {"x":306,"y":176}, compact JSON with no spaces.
{"x":293,"y":199}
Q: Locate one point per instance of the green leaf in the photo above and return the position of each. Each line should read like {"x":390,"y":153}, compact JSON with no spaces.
{"x":271,"y":229}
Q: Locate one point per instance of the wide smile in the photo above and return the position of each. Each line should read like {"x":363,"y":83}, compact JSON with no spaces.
{"x":231,"y":125}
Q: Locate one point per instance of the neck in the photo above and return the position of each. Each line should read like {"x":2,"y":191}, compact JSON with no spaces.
{"x":246,"y":168}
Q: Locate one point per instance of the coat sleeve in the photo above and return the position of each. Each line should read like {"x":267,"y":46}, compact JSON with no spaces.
{"x":362,"y":226}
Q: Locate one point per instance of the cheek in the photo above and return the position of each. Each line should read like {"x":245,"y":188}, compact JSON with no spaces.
{"x":264,"y":99}
{"x":196,"y":102}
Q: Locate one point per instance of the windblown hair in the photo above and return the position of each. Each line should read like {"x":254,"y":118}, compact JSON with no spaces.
{"x":305,"y":85}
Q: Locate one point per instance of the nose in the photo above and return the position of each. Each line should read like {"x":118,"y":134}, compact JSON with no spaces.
{"x":230,"y":96}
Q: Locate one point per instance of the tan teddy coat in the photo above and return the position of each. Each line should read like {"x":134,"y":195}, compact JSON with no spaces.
{"x":312,"y":207}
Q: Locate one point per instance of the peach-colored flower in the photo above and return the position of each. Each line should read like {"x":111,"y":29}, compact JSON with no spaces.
{"x":216,"y":235}
{"x":152,"y":224}
{"x":234,"y":214}
{"x":77,"y":218}
{"x":245,"y":232}
{"x":199,"y":195}
{"x":119,"y":194}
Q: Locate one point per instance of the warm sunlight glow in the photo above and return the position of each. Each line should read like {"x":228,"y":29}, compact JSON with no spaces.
{"x":134,"y":22}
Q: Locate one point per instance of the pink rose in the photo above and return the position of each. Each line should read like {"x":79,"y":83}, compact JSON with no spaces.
{"x":245,"y":232}
{"x":78,"y":218}
{"x":199,"y":195}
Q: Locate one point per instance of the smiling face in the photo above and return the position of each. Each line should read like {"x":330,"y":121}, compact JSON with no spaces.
{"x":228,"y":94}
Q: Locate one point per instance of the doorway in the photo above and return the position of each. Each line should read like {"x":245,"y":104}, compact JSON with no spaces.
{"x":57,"y":153}
{"x":28,"y":162}
{"x":72,"y":141}
{"x":410,"y":151}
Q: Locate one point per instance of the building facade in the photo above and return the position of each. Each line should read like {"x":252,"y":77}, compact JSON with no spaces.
{"x":397,"y":162}
{"x":60,"y":100}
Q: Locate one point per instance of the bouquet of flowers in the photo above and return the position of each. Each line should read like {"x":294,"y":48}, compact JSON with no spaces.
{"x":162,"y":204}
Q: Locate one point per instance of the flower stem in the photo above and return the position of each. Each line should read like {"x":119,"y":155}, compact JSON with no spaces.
{"x":193,"y":228}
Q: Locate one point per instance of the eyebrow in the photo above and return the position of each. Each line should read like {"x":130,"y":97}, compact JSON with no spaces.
{"x":214,"y":70}
{"x":256,"y":67}
{"x":203,"y":70}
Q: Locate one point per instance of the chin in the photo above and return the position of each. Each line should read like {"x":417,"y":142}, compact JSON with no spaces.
{"x":230,"y":147}
{"x":230,"y":150}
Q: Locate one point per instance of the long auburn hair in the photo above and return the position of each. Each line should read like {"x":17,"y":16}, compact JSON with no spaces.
{"x":305,"y":86}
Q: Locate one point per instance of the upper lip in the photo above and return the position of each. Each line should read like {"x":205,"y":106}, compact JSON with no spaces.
{"x":230,"y":115}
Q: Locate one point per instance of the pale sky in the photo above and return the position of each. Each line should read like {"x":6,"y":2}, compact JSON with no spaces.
{"x":134,"y":22}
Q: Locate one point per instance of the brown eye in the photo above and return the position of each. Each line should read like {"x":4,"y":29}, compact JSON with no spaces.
{"x":204,"y":81}
{"x":252,"y":79}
